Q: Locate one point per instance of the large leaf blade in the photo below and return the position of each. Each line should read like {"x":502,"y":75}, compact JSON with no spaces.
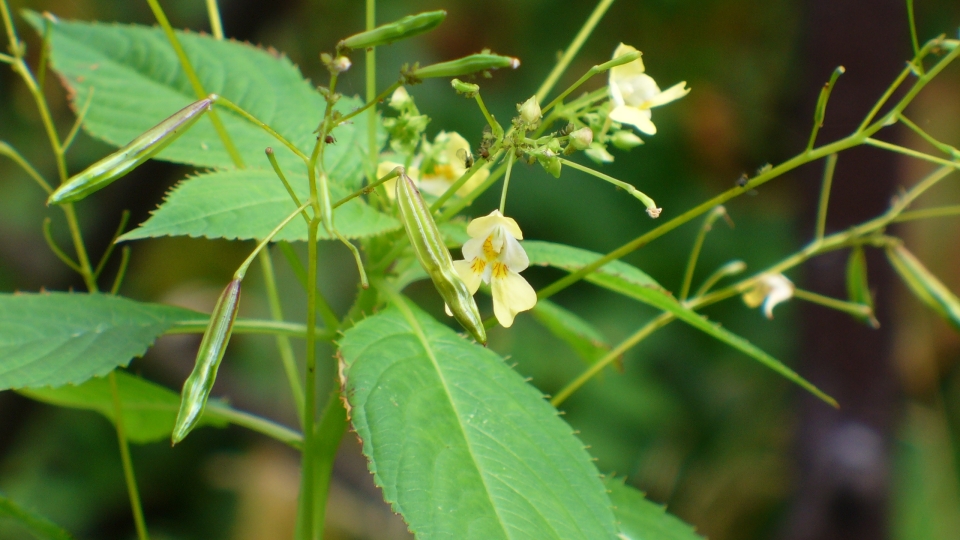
{"x":248,"y":204}
{"x":642,"y":519}
{"x":39,"y":526}
{"x":60,"y":338}
{"x":461,"y":446}
{"x":149,"y":410}
{"x":133,"y":80}
{"x":634,"y":283}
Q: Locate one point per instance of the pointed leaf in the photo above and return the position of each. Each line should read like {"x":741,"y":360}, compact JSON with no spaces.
{"x":249,"y":204}
{"x":461,"y":446}
{"x":641,"y":519}
{"x":39,"y":526}
{"x":149,"y":409}
{"x":632,"y":282}
{"x":571,"y":328}
{"x":136,"y":81}
{"x":924,"y":285}
{"x":59,"y":338}
{"x":858,"y":288}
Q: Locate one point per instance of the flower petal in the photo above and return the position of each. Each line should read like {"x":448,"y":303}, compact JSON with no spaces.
{"x":673,"y":93}
{"x":469,"y":274}
{"x":514,"y":256}
{"x":511,"y":295}
{"x":630,"y":68}
{"x":473,"y":248}
{"x":639,"y":118}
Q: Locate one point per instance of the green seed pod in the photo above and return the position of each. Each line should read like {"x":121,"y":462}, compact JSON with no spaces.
{"x":468,"y":90}
{"x":435,"y":258}
{"x":924,"y":285}
{"x":104,"y":172}
{"x":858,"y":289}
{"x":464,"y":66}
{"x":197,"y":387}
{"x":409,"y":26}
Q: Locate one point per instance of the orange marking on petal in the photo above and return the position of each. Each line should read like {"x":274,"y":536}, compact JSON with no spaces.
{"x":478,"y":265}
{"x":488,"y":250}
{"x":499,"y":270}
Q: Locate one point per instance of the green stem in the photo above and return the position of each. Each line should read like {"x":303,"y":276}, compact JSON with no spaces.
{"x":573,"y":49}
{"x":828,"y":170}
{"x":78,"y":122}
{"x":940,"y":211}
{"x":370,"y":103}
{"x":912,"y":153}
{"x":10,"y":152}
{"x":323,"y":307}
{"x":242,"y":270}
{"x":913,"y":28}
{"x":195,"y":82}
{"x":216,"y":25}
{"x":256,"y":423}
{"x":330,"y":432}
{"x":253,"y":326}
{"x":858,"y":310}
{"x":697,"y":246}
{"x":641,"y":196}
{"x":464,"y":202}
{"x":945,"y":148}
{"x":52,"y":244}
{"x":283,"y":342}
{"x":255,"y":121}
{"x":467,"y":175}
{"x":121,"y":270}
{"x":127,"y":462}
{"x":307,"y":485}
{"x":371,"y":81}
{"x":124,"y":217}
{"x":595,"y":70}
{"x":495,"y":127}
{"x":506,"y":182}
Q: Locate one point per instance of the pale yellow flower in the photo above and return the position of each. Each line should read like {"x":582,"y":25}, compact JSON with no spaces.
{"x":449,"y":166}
{"x":494,"y":255}
{"x":769,"y":290}
{"x":634,"y":93}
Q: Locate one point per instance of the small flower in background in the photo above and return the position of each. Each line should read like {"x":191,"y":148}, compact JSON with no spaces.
{"x":447,"y":155}
{"x":634,"y":93}
{"x":494,"y":255}
{"x":769,"y":290}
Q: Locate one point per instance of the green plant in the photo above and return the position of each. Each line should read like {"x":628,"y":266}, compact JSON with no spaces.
{"x":456,"y":439}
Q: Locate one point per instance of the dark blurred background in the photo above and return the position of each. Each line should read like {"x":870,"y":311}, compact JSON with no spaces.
{"x":726,"y":444}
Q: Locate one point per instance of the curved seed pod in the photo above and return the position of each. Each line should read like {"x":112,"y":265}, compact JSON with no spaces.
{"x":102,"y":173}
{"x":924,"y":285}
{"x":409,"y":26}
{"x":197,"y":387}
{"x":435,"y":258}
{"x":464,"y":66}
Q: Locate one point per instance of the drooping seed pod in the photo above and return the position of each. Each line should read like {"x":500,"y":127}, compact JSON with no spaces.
{"x":407,"y":27}
{"x":435,"y":258}
{"x":196,"y":389}
{"x":104,"y":172}
{"x":464,"y":66}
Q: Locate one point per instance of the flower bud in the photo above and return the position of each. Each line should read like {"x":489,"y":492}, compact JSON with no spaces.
{"x":404,"y":28}
{"x":400,"y":98}
{"x":463,"y":66}
{"x":340,"y":64}
{"x":467,"y":89}
{"x":598,"y":153}
{"x":530,"y":111}
{"x":625,"y":140}
{"x":197,"y":387}
{"x":116,"y":165}
{"x":581,"y":138}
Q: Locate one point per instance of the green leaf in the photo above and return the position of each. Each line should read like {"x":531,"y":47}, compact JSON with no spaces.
{"x":571,"y":328}
{"x":60,"y":338}
{"x":641,"y":519}
{"x":460,"y":445}
{"x":924,"y":285}
{"x":858,"y":288}
{"x":632,"y":282}
{"x":248,"y":204}
{"x":133,"y":80}
{"x":149,"y":410}
{"x":39,"y":526}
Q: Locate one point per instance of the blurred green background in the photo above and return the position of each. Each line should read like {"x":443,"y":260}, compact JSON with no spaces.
{"x":693,"y":423}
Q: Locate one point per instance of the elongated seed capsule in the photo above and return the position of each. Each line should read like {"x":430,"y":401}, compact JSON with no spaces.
{"x":435,"y":258}
{"x":409,"y":26}
{"x":104,"y":172}
{"x":196,"y":389}
{"x":465,"y":66}
{"x":925,"y":285}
